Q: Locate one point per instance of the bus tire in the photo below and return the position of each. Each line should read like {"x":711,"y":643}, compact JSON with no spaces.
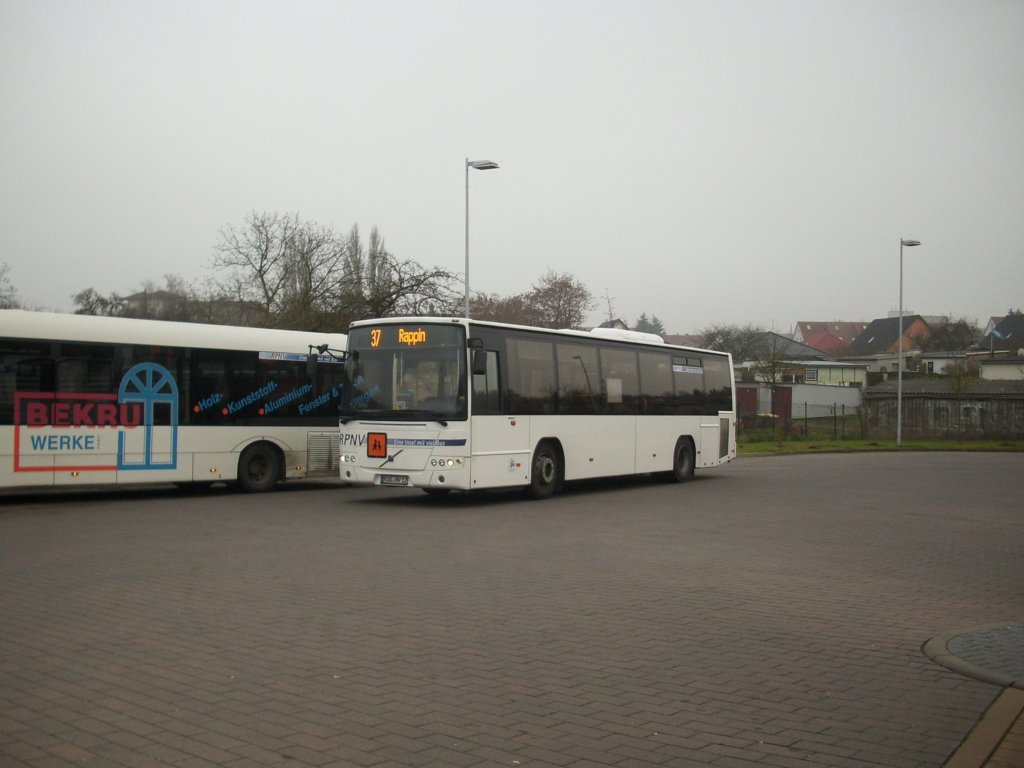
{"x":684,"y":460}
{"x":545,"y":471}
{"x":259,"y":468}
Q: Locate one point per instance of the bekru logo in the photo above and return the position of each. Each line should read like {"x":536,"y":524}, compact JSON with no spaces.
{"x":68,"y":431}
{"x":412,"y":338}
{"x":45,"y":409}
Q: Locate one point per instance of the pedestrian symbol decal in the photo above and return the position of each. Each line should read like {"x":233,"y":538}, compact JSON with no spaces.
{"x":377,"y":445}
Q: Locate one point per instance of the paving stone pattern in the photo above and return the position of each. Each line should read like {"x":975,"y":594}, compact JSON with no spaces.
{"x":997,"y":649}
{"x":770,"y":613}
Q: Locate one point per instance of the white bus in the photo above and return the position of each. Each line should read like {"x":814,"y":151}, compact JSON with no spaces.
{"x":101,"y":400}
{"x":451,"y":404}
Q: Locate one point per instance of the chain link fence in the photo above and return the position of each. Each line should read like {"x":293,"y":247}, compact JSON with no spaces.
{"x":806,"y":421}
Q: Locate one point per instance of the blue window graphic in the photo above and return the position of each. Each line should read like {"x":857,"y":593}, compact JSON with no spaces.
{"x":156,"y":447}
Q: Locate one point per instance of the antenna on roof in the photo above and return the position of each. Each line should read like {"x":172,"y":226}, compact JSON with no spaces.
{"x":608,"y":299}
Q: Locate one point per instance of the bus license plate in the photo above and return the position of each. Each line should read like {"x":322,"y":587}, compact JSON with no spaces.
{"x":394,"y":480}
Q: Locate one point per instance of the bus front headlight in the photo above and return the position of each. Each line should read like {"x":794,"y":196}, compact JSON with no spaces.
{"x":446,"y":462}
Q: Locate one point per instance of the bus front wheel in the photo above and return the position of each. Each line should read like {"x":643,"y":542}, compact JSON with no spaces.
{"x":544,"y":471}
{"x":683,"y":461}
{"x":258,"y":468}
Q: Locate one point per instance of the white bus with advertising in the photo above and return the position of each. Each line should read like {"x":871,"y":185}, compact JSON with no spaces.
{"x":449,"y":404}
{"x":103,"y":400}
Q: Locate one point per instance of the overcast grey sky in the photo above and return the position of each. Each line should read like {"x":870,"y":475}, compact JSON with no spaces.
{"x":705,"y":162}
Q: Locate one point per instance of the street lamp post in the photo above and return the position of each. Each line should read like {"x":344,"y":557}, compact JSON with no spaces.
{"x":480,"y":165}
{"x":899,"y":360}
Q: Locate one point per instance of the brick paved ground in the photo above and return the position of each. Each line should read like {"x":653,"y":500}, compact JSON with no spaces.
{"x":769,"y":613}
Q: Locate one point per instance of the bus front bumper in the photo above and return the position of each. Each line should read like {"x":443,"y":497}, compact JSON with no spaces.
{"x":454,"y":475}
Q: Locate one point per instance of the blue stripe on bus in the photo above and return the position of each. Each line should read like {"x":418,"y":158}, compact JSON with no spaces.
{"x":424,"y":442}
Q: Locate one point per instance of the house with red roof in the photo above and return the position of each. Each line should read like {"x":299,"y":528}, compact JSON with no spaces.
{"x":879,"y":343}
{"x":832,"y":338}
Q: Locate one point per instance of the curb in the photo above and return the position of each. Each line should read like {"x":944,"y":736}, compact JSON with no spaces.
{"x":937,"y":649}
{"x":986,"y":737}
{"x":995,"y":740}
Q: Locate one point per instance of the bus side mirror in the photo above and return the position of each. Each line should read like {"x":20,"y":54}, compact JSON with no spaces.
{"x":312,"y":361}
{"x":479,"y":362}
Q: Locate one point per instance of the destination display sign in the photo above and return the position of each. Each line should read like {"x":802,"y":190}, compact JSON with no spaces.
{"x":406,"y":336}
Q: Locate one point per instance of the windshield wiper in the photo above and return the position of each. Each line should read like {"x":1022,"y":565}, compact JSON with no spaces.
{"x":430,"y":415}
{"x":391,"y":457}
{"x":345,"y":418}
{"x":403,"y":415}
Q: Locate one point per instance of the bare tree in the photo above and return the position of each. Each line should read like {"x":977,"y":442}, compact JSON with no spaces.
{"x":560,"y":301}
{"x":150,"y":302}
{"x":743,"y":341}
{"x":355,"y":264}
{"x":770,"y":362}
{"x":8,"y":295}
{"x":314,"y":276}
{"x":554,"y":301}
{"x":951,"y":335}
{"x":90,"y":302}
{"x":503,"y":309}
{"x":378,"y":284}
{"x":762,"y":351}
{"x":256,"y":258}
{"x":296,"y":271}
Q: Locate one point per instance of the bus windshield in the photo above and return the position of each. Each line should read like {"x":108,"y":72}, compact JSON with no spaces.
{"x":406,"y":372}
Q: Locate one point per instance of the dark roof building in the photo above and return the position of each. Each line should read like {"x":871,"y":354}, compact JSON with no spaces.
{"x":1008,"y":334}
{"x":787,"y":348}
{"x":883,"y":335}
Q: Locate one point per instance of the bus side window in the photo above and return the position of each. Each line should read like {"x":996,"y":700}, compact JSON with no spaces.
{"x":25,"y":366}
{"x":86,"y":368}
{"x":718,"y":384}
{"x":486,"y":385}
{"x":620,"y":380}
{"x":531,"y":368}
{"x":688,"y":375}
{"x":655,"y":383}
{"x":209,"y":388}
{"x":579,"y":385}
{"x":242,"y":382}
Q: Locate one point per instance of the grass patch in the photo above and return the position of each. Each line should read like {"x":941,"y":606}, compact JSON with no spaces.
{"x":767,"y":447}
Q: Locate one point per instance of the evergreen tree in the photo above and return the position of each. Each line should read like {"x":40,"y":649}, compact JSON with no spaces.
{"x":649,"y":324}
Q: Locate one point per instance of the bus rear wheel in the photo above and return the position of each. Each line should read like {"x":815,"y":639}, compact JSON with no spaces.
{"x":258,"y":468}
{"x":683,"y":460}
{"x":545,"y":471}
